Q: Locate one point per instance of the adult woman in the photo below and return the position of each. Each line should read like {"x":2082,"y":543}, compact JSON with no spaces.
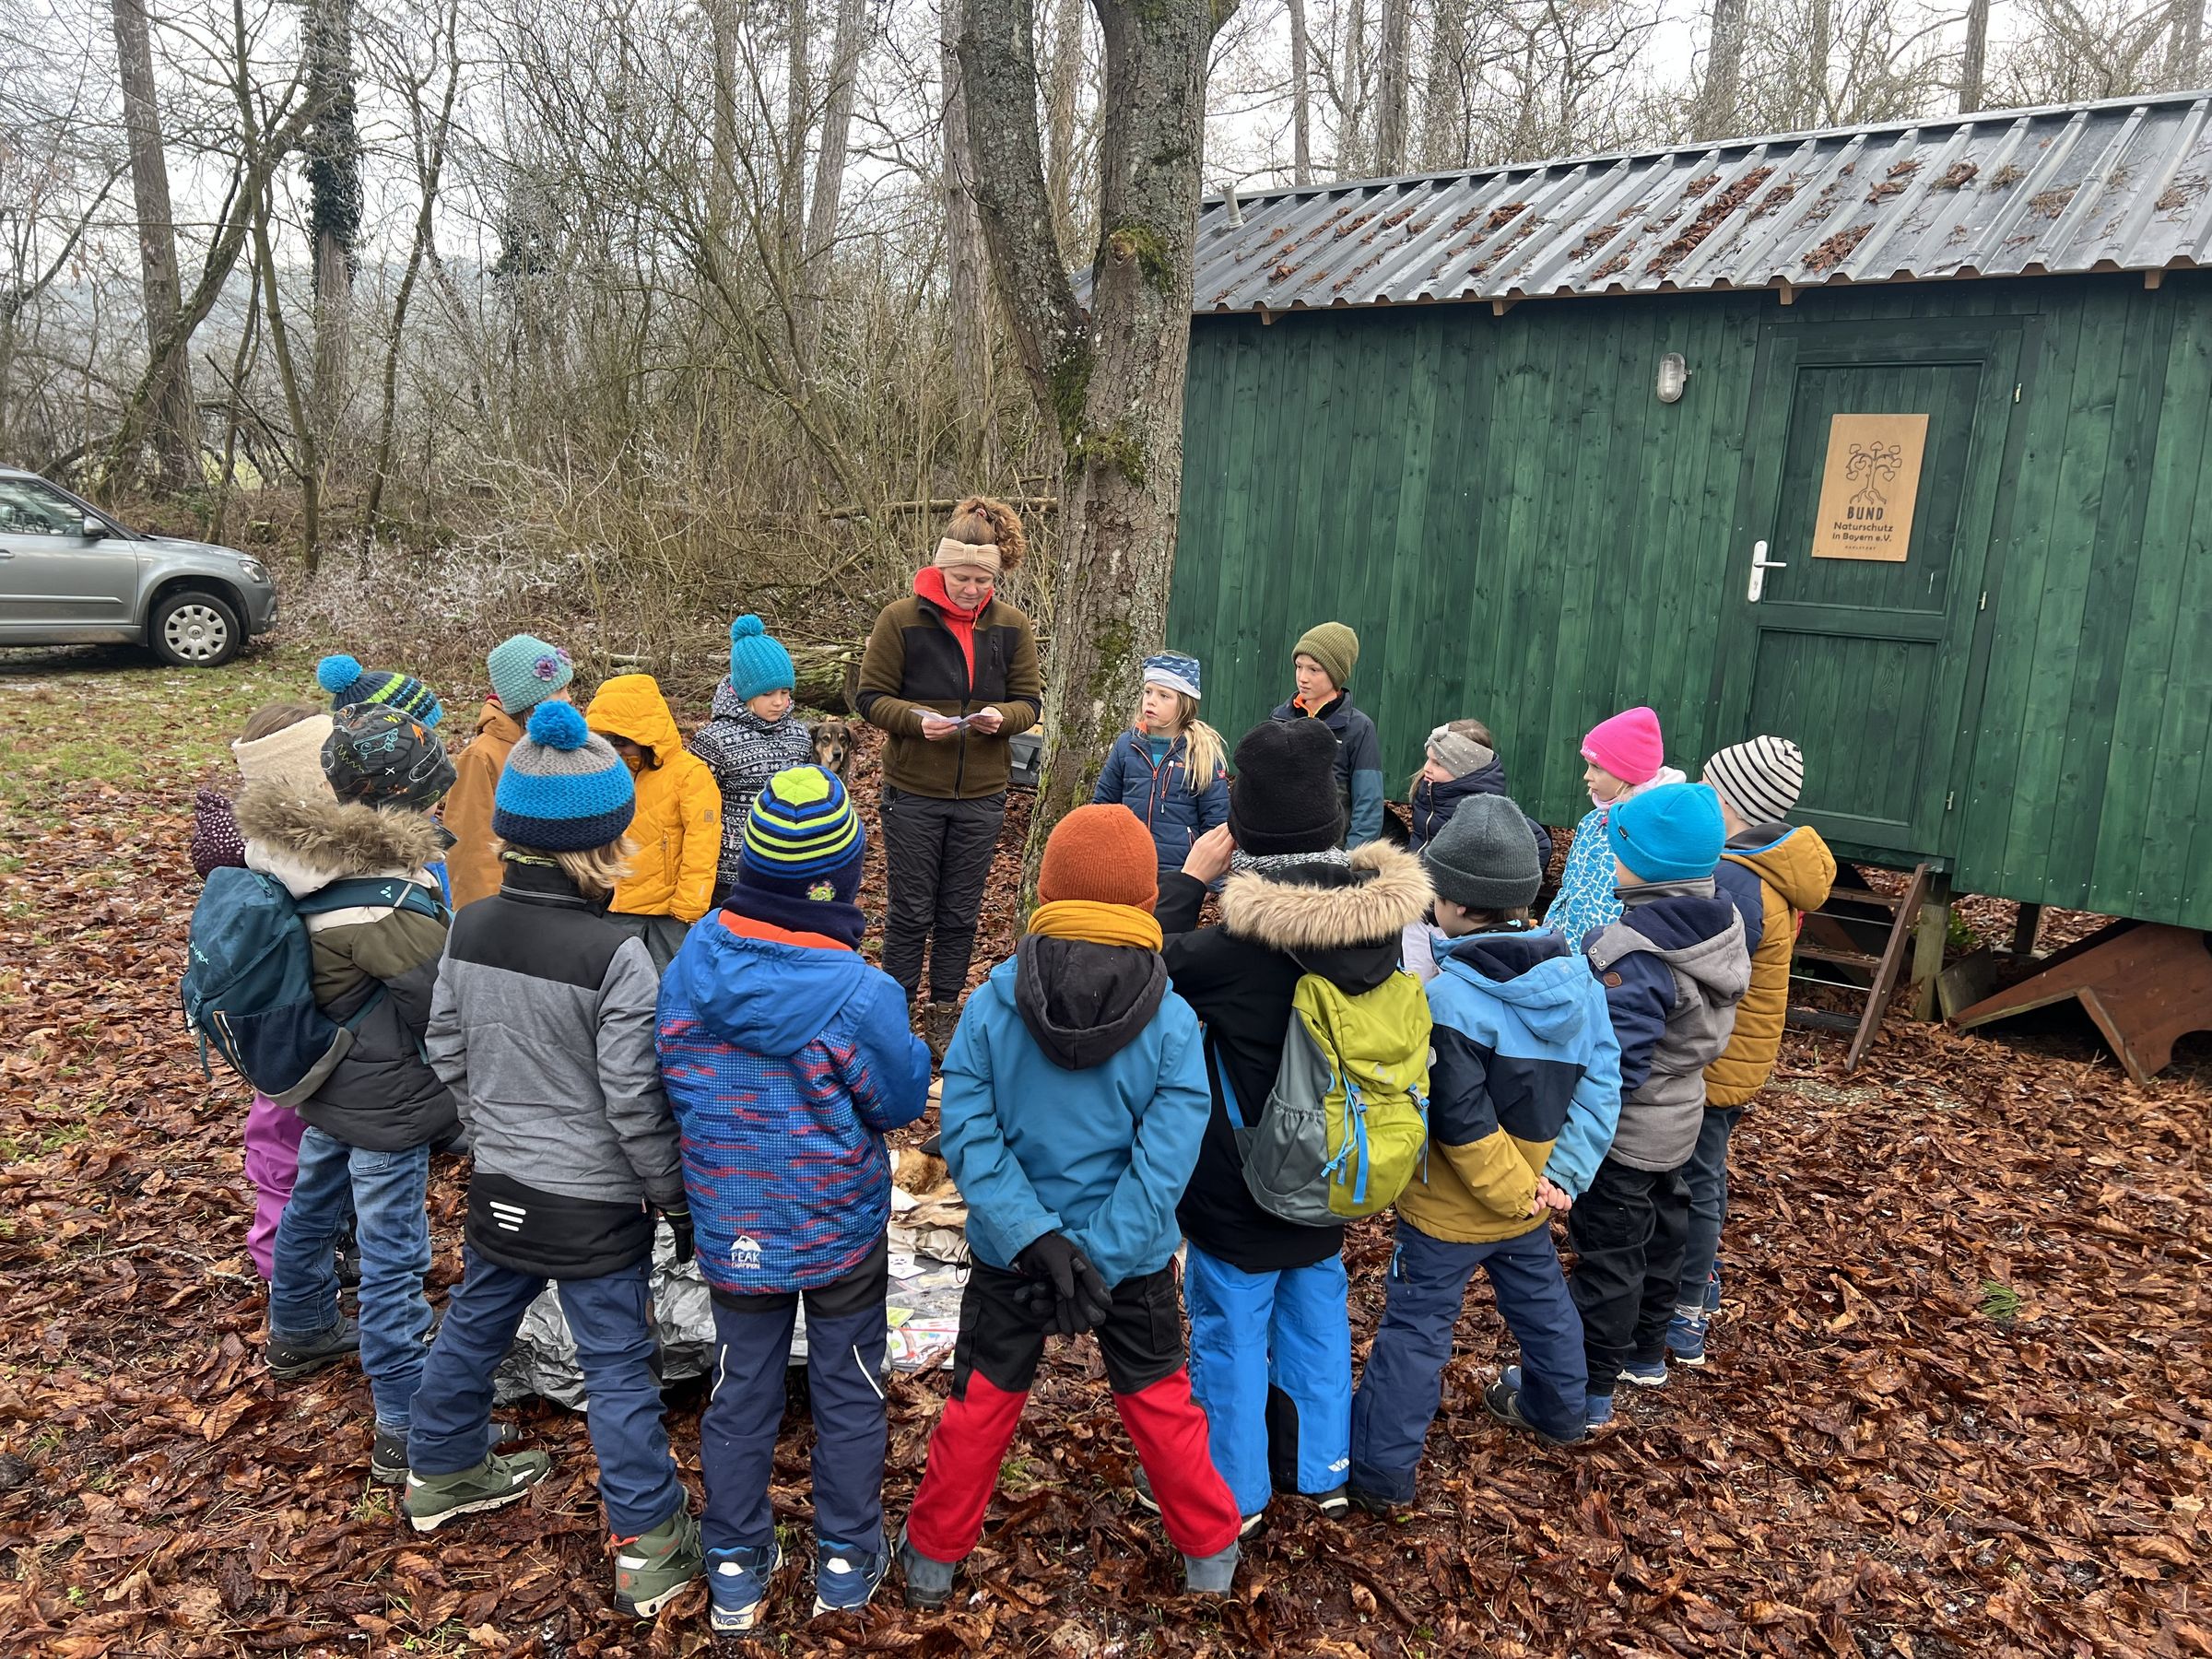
{"x":950,"y":673}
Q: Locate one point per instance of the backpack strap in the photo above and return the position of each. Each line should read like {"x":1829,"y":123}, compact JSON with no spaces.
{"x":1228,"y":1091}
{"x":397,"y":892}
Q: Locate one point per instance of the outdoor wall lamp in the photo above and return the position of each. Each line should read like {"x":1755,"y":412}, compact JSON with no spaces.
{"x":1674,"y":374}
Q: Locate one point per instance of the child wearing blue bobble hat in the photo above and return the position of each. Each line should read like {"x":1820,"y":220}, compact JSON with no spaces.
{"x":543,"y":1028}
{"x":753,"y":734}
{"x":350,"y":685}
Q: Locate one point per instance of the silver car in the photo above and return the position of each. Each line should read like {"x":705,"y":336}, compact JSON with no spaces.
{"x":72,"y":575}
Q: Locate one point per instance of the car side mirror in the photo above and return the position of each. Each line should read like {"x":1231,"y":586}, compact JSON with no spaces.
{"x":94,"y":529}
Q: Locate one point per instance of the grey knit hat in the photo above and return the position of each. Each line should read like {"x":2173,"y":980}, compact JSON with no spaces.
{"x":1761,"y":777}
{"x":1485,"y":856}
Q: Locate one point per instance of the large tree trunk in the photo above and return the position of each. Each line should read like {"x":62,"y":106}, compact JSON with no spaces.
{"x":1395,"y":77}
{"x":1112,"y":382}
{"x":721,"y":199}
{"x":1821,"y":37}
{"x":1064,"y":85}
{"x":2186,"y":59}
{"x":1974,"y":58}
{"x":333,"y":214}
{"x":1443,"y":98}
{"x":798,"y":122}
{"x":1301,"y":99}
{"x":175,"y":421}
{"x":1717,"y":112}
{"x":968,"y":291}
{"x":830,"y":173}
{"x":1352,"y":94}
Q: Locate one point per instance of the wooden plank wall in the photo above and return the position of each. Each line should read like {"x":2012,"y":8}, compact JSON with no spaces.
{"x":1520,"y":531}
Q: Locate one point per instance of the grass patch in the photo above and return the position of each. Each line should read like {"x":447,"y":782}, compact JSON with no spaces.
{"x":2000,"y":1301}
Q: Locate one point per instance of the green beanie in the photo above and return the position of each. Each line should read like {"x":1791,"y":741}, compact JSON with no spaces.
{"x":1335,"y":647}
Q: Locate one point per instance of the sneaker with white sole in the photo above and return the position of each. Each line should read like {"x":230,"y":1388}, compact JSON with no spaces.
{"x":738,"y":1582}
{"x":433,"y":1499}
{"x":845,"y":1577}
{"x":1685,"y":1338}
{"x":655,"y":1568}
{"x":1646,"y":1373}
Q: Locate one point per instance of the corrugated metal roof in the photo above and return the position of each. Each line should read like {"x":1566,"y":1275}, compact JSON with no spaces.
{"x":2121,"y":185}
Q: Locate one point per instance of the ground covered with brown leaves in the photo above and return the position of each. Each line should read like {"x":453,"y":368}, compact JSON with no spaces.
{"x":1958,"y":1406}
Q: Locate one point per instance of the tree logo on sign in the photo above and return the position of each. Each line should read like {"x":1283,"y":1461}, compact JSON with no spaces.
{"x":1871,"y":464}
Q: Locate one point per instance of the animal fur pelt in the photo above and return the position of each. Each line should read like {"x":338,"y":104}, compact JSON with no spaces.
{"x":332,"y":839}
{"x":1389,"y":889}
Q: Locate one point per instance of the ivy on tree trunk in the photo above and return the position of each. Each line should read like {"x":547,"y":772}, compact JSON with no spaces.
{"x":1110,"y":380}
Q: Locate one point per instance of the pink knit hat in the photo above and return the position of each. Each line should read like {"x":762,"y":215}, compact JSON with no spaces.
{"x":1628,"y":745}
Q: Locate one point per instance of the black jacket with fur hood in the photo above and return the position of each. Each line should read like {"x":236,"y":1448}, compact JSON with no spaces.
{"x":383,"y":1097}
{"x":1341,"y":923}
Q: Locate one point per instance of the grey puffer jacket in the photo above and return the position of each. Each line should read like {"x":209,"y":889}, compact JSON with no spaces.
{"x":382,"y":1097}
{"x":543,"y":1024}
{"x":743,"y":752}
{"x":1673,"y":967}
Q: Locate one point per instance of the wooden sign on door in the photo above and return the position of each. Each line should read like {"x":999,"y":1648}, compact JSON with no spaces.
{"x":1869,"y":485}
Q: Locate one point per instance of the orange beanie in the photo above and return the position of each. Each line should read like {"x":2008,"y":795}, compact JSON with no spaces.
{"x":1102,"y":853}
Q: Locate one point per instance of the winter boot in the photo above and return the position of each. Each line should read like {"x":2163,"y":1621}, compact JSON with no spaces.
{"x":738,"y":1582}
{"x":655,"y":1568}
{"x":1504,"y":1404}
{"x":845,"y":1579}
{"x":1210,"y":1575}
{"x":928,"y":1582}
{"x":293,"y":1358}
{"x":939,"y":1020}
{"x":433,"y":1499}
{"x":388,"y":1457}
{"x":1686,"y":1337}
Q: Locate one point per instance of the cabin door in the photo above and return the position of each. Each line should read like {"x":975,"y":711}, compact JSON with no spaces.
{"x":1875,"y":455}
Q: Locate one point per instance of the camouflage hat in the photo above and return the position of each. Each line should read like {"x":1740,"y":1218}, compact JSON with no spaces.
{"x":380,"y":758}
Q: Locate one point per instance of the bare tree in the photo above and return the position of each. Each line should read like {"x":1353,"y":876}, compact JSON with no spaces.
{"x":968,"y":292}
{"x":1064,"y":87}
{"x":846,"y":46}
{"x":1393,"y":87}
{"x":333,"y":214}
{"x":1719,"y":101}
{"x":176,"y":421}
{"x":2184,"y":62}
{"x":1301,"y":99}
{"x":1973,"y":58}
{"x":1111,"y":381}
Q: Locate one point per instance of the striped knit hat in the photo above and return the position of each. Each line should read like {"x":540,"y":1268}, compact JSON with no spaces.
{"x":564,"y":789}
{"x":350,"y":685}
{"x":1761,"y":777}
{"x":803,"y":838}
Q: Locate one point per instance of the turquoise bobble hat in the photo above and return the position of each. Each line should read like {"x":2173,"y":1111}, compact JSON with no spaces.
{"x":351,"y":686}
{"x":803,"y":838}
{"x":759,"y":664}
{"x":564,"y":789}
{"x":1671,"y":833}
{"x":526,"y":670}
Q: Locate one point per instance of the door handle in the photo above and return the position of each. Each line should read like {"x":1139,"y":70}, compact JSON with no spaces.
{"x":1760,"y":565}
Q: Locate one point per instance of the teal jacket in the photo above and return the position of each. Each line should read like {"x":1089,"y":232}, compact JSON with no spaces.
{"x":1074,"y":1100}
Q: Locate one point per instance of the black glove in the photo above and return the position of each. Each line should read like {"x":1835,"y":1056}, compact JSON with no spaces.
{"x":679,"y":1223}
{"x":1081,"y":1298}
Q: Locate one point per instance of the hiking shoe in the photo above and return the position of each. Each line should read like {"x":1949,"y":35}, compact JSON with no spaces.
{"x":1646,"y":1373}
{"x":928,"y":1582}
{"x":1598,"y":1409}
{"x":737,"y":1583}
{"x":939,"y":1020}
{"x":1336,"y":1503}
{"x":388,"y":1457}
{"x":845,"y":1579}
{"x":1210,"y":1575}
{"x":655,"y":1568}
{"x":1685,"y":1338}
{"x":433,"y":1499}
{"x":1146,"y":1499}
{"x":345,"y":1258}
{"x":1374,"y":1503}
{"x":290,"y":1358}
{"x":1504,"y":1404}
{"x":1712,"y":1290}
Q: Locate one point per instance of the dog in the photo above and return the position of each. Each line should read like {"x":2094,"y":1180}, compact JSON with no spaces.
{"x":834,"y":748}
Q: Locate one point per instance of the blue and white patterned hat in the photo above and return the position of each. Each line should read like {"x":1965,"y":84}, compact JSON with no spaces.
{"x":1175,"y":671}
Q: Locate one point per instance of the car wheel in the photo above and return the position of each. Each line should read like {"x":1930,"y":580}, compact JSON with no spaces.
{"x":196,"y":630}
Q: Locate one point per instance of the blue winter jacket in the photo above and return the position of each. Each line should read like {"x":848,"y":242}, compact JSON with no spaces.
{"x":1161,"y":796}
{"x":1523,"y":1052}
{"x":1074,"y":1100}
{"x":1359,"y":764}
{"x":785,"y":1057}
{"x":1429,"y":806}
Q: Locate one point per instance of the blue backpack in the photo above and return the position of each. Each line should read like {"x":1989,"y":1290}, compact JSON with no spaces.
{"x":249,"y":986}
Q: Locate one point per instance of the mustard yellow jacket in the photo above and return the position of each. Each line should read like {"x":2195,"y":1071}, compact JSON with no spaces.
{"x":471,"y":867}
{"x":678,"y":826}
{"x":1795,"y":870}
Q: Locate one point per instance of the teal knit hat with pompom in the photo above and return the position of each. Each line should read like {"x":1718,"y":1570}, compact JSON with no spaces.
{"x":759,"y":664}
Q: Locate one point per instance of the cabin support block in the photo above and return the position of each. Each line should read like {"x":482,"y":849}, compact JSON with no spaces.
{"x":1928,"y":940}
{"x":2025,"y":927}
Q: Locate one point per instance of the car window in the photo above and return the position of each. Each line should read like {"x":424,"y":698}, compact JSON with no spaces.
{"x":31,"y":507}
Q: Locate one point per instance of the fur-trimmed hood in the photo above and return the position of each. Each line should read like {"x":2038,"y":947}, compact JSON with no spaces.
{"x":308,"y":844}
{"x":1387,"y":890}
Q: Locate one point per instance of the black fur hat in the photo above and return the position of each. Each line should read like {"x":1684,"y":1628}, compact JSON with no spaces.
{"x":1284,"y":798}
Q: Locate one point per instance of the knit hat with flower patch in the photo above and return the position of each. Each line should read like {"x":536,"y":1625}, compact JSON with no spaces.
{"x":525,"y":671}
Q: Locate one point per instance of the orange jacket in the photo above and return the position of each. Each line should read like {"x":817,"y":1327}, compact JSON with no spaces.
{"x":678,"y":826}
{"x":471,"y":867}
{"x":1795,"y":873}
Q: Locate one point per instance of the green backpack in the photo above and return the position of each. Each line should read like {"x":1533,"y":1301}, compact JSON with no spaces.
{"x":1347,"y":1119}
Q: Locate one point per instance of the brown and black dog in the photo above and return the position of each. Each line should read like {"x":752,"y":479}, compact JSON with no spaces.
{"x":833,"y":747}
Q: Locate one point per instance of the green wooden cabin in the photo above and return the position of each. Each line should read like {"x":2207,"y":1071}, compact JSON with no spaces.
{"x":1431,"y":408}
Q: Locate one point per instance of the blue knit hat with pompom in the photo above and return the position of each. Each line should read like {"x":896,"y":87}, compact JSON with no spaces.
{"x":759,"y":664}
{"x":564,"y":789}
{"x":351,"y":686}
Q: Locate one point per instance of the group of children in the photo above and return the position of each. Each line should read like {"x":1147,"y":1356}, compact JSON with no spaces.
{"x":648,"y":1000}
